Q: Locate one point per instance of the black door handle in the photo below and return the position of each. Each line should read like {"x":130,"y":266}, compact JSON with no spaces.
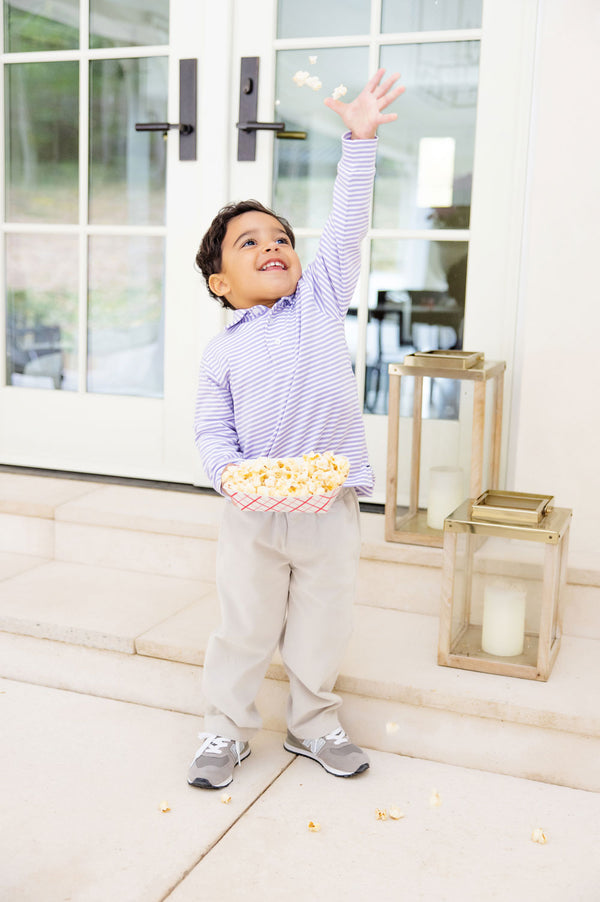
{"x":184,"y":128}
{"x":248,"y":126}
{"x":187,"y":112}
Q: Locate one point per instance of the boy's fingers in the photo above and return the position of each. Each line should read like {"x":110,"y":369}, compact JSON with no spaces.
{"x":385,"y":101}
{"x":388,"y":84}
{"x":375,"y":79}
{"x":336,"y":105}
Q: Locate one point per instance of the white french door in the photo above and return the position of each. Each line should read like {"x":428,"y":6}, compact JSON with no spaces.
{"x":441,"y":262}
{"x":104,"y":315}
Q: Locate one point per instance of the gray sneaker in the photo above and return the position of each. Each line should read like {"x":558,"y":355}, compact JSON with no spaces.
{"x":212,"y":767}
{"x":334,"y":752}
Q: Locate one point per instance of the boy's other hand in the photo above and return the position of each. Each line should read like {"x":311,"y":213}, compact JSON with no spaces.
{"x":363,"y":115}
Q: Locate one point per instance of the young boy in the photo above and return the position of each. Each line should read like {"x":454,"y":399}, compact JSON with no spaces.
{"x":278,"y":382}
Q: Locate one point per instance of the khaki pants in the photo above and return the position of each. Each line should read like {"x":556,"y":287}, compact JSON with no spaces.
{"x":287,"y":580}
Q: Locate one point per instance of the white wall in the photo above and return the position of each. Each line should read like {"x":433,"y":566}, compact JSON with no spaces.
{"x":555,"y":428}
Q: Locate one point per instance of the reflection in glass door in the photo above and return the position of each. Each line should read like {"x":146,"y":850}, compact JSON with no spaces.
{"x":85,"y":195}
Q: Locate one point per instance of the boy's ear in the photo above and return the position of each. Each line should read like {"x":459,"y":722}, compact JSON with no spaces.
{"x":218,"y":285}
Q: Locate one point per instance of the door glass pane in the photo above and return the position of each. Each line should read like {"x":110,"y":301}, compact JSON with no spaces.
{"x":129,"y":23}
{"x":305,"y":170}
{"x":125,"y":315}
{"x":425,"y":163}
{"x":127,"y":168}
{"x":416,"y":303}
{"x":430,"y":15}
{"x":313,"y":18}
{"x":40,"y":25}
{"x":41,"y":315}
{"x":42,"y":142}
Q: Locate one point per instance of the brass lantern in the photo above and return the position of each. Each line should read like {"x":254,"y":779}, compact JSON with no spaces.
{"x":504,"y":573}
{"x":407,"y":517}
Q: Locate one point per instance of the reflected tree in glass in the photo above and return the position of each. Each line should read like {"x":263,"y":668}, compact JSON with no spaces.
{"x":127,"y":168}
{"x":129,"y":23}
{"x":31,"y":25}
{"x":126,"y":315}
{"x":41,"y":312}
{"x":42,"y":142}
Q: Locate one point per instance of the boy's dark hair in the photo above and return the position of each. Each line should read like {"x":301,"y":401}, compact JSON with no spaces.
{"x":209,"y":257}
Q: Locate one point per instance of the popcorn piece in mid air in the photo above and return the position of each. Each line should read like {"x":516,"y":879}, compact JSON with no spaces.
{"x":314,"y":82}
{"x":312,"y":60}
{"x":300,"y":77}
{"x":340,"y":91}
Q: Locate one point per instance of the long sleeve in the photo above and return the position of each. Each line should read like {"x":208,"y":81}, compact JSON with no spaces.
{"x":335,"y":270}
{"x":214,"y":426}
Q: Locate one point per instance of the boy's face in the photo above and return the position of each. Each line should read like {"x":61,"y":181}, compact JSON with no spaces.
{"x":258,"y":262}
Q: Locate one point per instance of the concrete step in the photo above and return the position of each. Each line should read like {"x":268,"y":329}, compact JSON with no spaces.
{"x":173,"y":533}
{"x":109,"y":590}
{"x":141,"y":638}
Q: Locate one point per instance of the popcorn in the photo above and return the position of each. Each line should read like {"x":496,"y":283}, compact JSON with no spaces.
{"x":391,"y":727}
{"x":381,"y":814}
{"x":434,"y":799}
{"x":340,"y":91}
{"x":225,"y":799}
{"x":396,"y":814}
{"x":300,"y":77}
{"x":163,"y":807}
{"x":314,"y":82}
{"x":281,"y":477}
{"x":312,"y":60}
{"x":314,"y":826}
{"x":539,"y":836}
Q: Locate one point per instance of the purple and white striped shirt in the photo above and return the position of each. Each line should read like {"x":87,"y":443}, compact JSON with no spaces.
{"x":278,"y":381}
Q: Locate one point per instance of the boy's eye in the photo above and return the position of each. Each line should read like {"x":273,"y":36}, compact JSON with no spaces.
{"x":283,"y":241}
{"x":249,"y":241}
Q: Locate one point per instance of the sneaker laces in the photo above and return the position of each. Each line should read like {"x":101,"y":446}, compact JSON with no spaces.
{"x":338,"y":736}
{"x":214,"y":745}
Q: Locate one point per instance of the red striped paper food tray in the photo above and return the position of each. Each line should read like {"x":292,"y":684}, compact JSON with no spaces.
{"x":287,"y":504}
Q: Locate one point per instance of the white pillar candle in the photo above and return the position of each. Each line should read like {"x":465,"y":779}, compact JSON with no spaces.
{"x":503,"y":631}
{"x":445,"y":494}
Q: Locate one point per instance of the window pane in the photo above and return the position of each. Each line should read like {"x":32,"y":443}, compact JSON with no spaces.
{"x":305,"y":170}
{"x":430,"y":15}
{"x":129,"y":23}
{"x":42,"y":142}
{"x":125,"y":315}
{"x":416,"y":303}
{"x":127,"y":168}
{"x":313,"y":18}
{"x":425,"y":160}
{"x":41,"y":25}
{"x":41,"y":314}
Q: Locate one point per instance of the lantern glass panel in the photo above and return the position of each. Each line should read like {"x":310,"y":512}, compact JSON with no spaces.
{"x":497,"y":598}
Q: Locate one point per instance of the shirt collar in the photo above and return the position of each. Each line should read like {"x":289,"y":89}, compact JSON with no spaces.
{"x":258,"y":310}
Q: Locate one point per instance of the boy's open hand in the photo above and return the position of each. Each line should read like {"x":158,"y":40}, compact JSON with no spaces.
{"x":363,"y":115}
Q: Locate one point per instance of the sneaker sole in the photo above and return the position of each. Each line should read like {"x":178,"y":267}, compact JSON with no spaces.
{"x":330,"y":770}
{"x":206,"y":784}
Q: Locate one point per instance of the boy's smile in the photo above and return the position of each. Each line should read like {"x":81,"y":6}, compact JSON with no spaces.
{"x":258,"y":262}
